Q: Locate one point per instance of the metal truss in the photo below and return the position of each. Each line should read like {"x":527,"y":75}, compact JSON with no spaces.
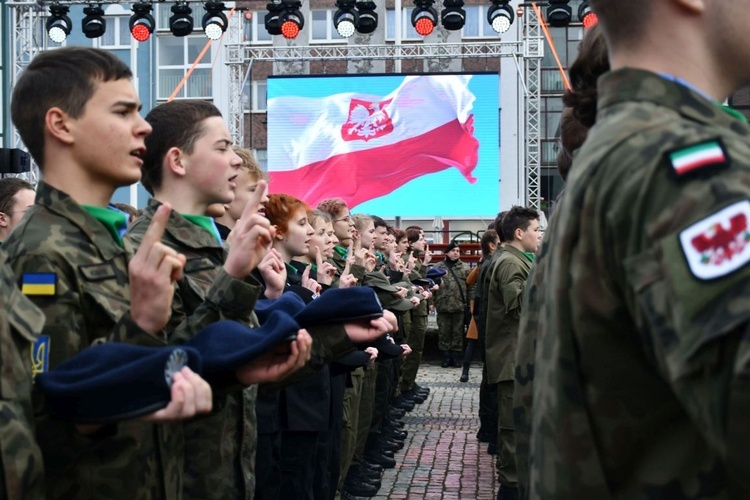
{"x":533,"y":52}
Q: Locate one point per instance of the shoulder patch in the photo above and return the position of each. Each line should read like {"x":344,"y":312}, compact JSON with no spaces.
{"x":698,"y":158}
{"x":719,"y":244}
{"x":39,"y":284}
{"x":40,"y":355}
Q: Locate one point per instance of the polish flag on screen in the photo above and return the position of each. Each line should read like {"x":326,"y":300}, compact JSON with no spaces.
{"x":359,"y":147}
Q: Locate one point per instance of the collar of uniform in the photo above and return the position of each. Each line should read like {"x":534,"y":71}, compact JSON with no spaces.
{"x":639,"y":85}
{"x":182,"y":230}
{"x":62,"y":204}
{"x":519,"y":254}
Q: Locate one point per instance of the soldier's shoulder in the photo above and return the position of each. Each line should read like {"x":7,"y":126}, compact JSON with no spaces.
{"x":42,"y":232}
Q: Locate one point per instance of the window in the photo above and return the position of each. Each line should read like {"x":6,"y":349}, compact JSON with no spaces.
{"x":476,"y":25}
{"x":322,"y":27}
{"x":255,"y":28}
{"x":254,"y":96}
{"x":175,"y":57}
{"x":407,"y":30}
{"x":261,"y":155}
{"x":117,"y":34}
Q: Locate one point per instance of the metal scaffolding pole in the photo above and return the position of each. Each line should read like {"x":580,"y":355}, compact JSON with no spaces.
{"x":533,"y":52}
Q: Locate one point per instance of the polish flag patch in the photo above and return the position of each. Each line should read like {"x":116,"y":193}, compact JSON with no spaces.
{"x":719,"y":244}
{"x":698,"y":157}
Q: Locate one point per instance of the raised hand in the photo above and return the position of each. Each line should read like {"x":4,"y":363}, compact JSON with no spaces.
{"x":427,"y":255}
{"x":373,"y":352}
{"x":326,"y":270}
{"x":251,"y":237}
{"x":310,"y":283}
{"x":152,"y":272}
{"x":274,"y":273}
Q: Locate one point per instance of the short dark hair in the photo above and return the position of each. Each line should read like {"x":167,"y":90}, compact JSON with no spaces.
{"x":9,"y":187}
{"x":489,"y":236}
{"x":379,"y":222}
{"x":413,"y":233}
{"x":65,"y":78}
{"x":518,"y":218}
{"x":499,"y":225}
{"x":176,"y":124}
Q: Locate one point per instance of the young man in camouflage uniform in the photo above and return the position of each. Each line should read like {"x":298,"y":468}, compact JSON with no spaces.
{"x":507,"y":279}
{"x":77,"y":112}
{"x":642,"y":319}
{"x":189,"y":162}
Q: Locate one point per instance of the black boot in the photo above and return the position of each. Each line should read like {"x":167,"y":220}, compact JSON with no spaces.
{"x":456,"y":359}
{"x":465,"y":373}
{"x":447,"y":359}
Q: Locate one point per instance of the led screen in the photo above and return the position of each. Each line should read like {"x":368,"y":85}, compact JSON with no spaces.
{"x":390,"y":145}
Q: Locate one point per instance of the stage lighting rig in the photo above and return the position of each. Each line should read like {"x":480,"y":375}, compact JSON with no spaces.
{"x":586,"y":15}
{"x":346,"y":18}
{"x":559,"y":13}
{"x":141,"y":23}
{"x":93,"y":25}
{"x":58,"y":25}
{"x":500,"y":16}
{"x":291,"y":19}
{"x":368,"y":18}
{"x":424,"y":17}
{"x":453,"y":15}
{"x":181,"y":20}
{"x":214,"y":21}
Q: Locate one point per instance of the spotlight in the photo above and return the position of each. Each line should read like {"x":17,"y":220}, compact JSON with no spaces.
{"x":142,"y":22}
{"x":181,"y":21}
{"x":500,"y":16}
{"x":586,"y":15}
{"x":58,"y":24}
{"x":93,"y":25}
{"x":214,"y":21}
{"x":346,"y":18}
{"x":272,"y":19}
{"x":368,"y":18}
{"x":558,"y":13}
{"x":453,"y":16}
{"x":424,"y":17}
{"x":291,"y":19}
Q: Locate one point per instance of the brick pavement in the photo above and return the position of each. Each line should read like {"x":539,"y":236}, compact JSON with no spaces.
{"x":442,"y":458}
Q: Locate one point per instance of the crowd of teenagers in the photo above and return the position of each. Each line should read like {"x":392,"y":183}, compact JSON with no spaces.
{"x":221,"y":343}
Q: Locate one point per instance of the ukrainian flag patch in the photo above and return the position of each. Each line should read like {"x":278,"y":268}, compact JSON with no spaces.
{"x":39,"y":284}
{"x":40,"y":356}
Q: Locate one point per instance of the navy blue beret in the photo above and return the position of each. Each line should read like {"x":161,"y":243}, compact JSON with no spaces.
{"x":114,"y":381}
{"x":341,"y":305}
{"x":290,"y":303}
{"x":425,"y":283}
{"x":226,"y":346}
{"x":436,"y":272}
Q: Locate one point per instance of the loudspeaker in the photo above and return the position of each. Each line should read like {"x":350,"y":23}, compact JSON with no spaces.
{"x":14,"y":161}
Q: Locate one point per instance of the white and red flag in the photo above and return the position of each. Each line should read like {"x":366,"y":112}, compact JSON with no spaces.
{"x":359,"y":147}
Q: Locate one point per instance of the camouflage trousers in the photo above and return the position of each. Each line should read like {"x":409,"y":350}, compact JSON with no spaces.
{"x":451,"y":331}
{"x":349,"y":425}
{"x":415,"y":339}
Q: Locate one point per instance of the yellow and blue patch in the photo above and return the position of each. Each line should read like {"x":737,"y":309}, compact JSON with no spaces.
{"x":40,"y":355}
{"x":39,"y":284}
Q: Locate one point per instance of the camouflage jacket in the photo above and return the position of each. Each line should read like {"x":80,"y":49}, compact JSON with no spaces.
{"x":89,"y":302}
{"x":21,"y":468}
{"x":642,"y":318}
{"x":453,"y":297}
{"x":507,"y":279}
{"x":215,"y":445}
{"x":339,"y":262}
{"x":419,"y":271}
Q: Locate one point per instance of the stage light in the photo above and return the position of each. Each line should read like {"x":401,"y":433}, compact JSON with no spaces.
{"x":291,"y":19}
{"x":93,"y":25}
{"x":181,"y":21}
{"x":272,"y":19}
{"x":453,"y":15}
{"x":500,"y":16}
{"x":58,"y":25}
{"x":424,"y":17}
{"x":558,"y":13}
{"x":214,"y":21}
{"x":368,"y":18}
{"x":346,"y":18}
{"x":142,"y":23}
{"x":586,"y":15}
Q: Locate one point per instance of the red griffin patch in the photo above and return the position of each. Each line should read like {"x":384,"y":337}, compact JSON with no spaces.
{"x":720,"y":244}
{"x":367,"y":120}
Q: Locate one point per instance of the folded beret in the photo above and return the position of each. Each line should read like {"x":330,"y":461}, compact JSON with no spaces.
{"x":226,"y":346}
{"x":114,"y":381}
{"x":341,"y":305}
{"x":290,"y":303}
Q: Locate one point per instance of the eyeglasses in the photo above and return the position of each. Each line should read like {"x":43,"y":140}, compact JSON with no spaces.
{"x":348,"y":218}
